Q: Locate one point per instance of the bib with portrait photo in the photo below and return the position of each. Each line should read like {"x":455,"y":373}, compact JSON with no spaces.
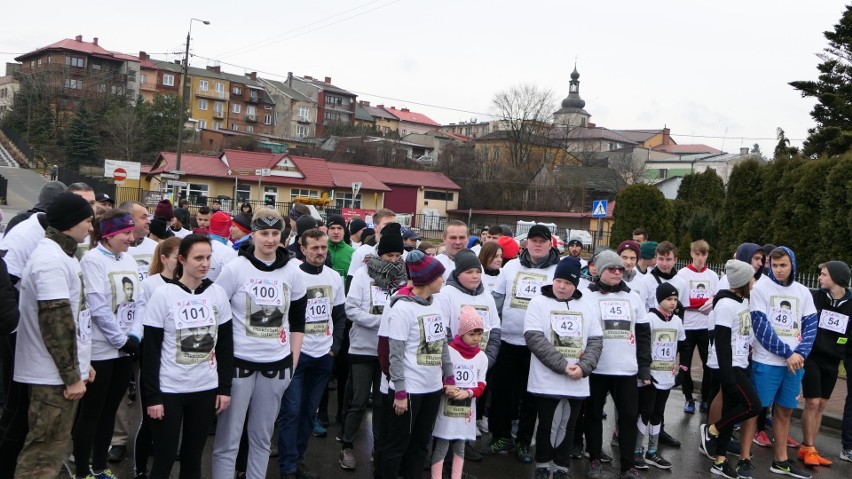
{"x":784,"y":315}
{"x":526,"y":287}
{"x":566,"y":334}
{"x":663,"y":349}
{"x":433,"y":335}
{"x":616,"y":319}
{"x":318,"y":310}
{"x":267,"y":301}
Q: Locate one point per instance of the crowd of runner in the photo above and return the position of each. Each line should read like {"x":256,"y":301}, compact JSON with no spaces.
{"x":243,"y":324}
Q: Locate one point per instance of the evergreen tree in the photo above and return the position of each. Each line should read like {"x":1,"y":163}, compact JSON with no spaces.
{"x":699,"y":200}
{"x":835,"y":222}
{"x":81,"y":140}
{"x":743,"y":218}
{"x":642,"y":206}
{"x":833,"y":92}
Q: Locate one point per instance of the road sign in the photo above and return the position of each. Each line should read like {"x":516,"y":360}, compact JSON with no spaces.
{"x":176,"y":183}
{"x":599,"y":209}
{"x":263,"y":172}
{"x":120,"y":174}
{"x":178,"y":172}
{"x":169,"y":176}
{"x":131,"y":169}
{"x":356,"y":186}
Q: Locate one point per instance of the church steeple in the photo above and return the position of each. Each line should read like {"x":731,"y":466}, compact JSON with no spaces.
{"x":572,"y":112}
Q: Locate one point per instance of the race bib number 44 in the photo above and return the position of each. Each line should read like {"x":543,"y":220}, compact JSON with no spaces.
{"x":526,"y":287}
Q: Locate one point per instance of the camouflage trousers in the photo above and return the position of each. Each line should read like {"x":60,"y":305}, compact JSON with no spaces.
{"x":51,"y":417}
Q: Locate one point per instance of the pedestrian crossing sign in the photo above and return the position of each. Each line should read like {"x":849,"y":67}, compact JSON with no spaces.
{"x":599,"y":209}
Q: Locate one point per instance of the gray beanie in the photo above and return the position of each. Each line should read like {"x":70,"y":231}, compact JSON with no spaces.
{"x":607,"y":259}
{"x":48,"y":192}
{"x":839,"y":273}
{"x":466,"y":259}
{"x":739,"y":273}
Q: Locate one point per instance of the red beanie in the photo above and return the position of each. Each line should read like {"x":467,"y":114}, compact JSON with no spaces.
{"x":220,"y":224}
{"x":510,"y":247}
{"x":164,"y":210}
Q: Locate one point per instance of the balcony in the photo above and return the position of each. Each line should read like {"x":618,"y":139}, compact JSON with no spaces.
{"x":148,"y":86}
{"x":218,"y":113}
{"x":210,"y":93}
{"x":303,"y":119}
{"x":254,"y":99}
{"x":251,"y":118}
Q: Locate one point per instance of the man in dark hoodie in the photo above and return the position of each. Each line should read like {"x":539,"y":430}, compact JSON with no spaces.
{"x":519,"y":282}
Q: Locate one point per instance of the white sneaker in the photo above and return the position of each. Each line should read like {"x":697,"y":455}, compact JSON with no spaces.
{"x":482,"y":425}
{"x":846,"y":454}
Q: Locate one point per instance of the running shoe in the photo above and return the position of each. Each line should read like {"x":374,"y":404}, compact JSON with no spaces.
{"x":595,"y":470}
{"x":810,"y":456}
{"x":498,"y":445}
{"x":762,"y":439}
{"x":792,"y":442}
{"x":522,"y":452}
{"x":846,"y":454}
{"x":658,"y":461}
{"x":689,"y":406}
{"x":788,"y":468}
{"x":745,"y":469}
{"x":725,"y":469}
{"x":639,"y":462}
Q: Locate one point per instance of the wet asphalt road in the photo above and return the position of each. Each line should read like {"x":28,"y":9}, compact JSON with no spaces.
{"x":688,"y":462}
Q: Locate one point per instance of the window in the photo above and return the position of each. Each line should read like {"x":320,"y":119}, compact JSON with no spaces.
{"x":237,"y":90}
{"x":117,"y":90}
{"x":251,"y":110}
{"x":236,"y":108}
{"x":235,"y":127}
{"x":217,"y":125}
{"x":267,"y":119}
{"x":202,"y":124}
{"x":74,"y":84}
{"x":243,"y":192}
{"x":203,"y":85}
{"x":143,"y":78}
{"x":437,"y":195}
{"x":270,"y":195}
{"x":220,"y":87}
{"x":101,"y":88}
{"x":95,"y":66}
{"x":195,"y":191}
{"x":4,"y":92}
{"x":304,"y":113}
{"x":303,"y":193}
{"x":219,"y":108}
{"x":664,"y":173}
{"x":301,"y":131}
{"x":39,"y":62}
{"x":344,"y":200}
{"x":202,"y":104}
{"x":168,"y":80}
{"x":75,"y":62}
{"x":250,"y":128}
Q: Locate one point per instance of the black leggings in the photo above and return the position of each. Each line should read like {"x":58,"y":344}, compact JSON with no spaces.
{"x":509,"y":393}
{"x":652,"y":404}
{"x":192,"y":411}
{"x":403,"y":450}
{"x":95,"y":421}
{"x":14,"y":424}
{"x":739,"y":403}
{"x":700,"y":338}
{"x":545,"y":435}
{"x":626,"y":398}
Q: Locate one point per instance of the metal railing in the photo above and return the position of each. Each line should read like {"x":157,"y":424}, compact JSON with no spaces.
{"x":19,"y":142}
{"x":210,"y":93}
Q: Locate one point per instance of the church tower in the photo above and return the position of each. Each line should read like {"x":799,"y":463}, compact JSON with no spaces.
{"x":572,"y":113}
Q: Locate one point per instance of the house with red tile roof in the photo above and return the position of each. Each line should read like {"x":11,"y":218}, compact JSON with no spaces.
{"x":411,"y":121}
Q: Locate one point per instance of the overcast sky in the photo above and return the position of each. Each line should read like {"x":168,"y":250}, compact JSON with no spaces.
{"x":717,"y":70}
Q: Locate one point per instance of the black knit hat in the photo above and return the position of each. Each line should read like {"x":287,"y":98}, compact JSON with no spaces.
{"x":356,"y":225}
{"x":839,"y":273}
{"x":466,"y":259}
{"x":67,"y":210}
{"x":665,"y":290}
{"x":391,"y":241}
{"x":159,"y":228}
{"x":336,"y":220}
{"x":568,"y":269}
{"x":304,"y":223}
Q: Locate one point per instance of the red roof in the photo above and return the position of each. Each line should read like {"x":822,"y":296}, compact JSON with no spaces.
{"x":89,"y":48}
{"x":524,"y":213}
{"x":398,"y":176}
{"x":345,"y":178}
{"x":193,"y":165}
{"x":315,"y":171}
{"x":687,"y":149}
{"x":407,"y":115}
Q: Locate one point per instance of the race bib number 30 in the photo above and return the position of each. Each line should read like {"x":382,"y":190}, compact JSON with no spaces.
{"x":833,"y":321}
{"x":265,"y":292}
{"x":193,"y":313}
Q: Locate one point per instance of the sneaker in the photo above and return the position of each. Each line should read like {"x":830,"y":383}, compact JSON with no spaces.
{"x":810,"y":456}
{"x":689,"y":406}
{"x":658,"y":461}
{"x":639,"y":462}
{"x":846,"y":454}
{"x":792,"y":442}
{"x":734,"y":447}
{"x":577,"y":451}
{"x":668,"y":440}
{"x":631,"y":473}
{"x":788,"y":468}
{"x":704,"y":407}
{"x":515,"y":424}
{"x":725,"y":470}
{"x":561,"y":474}
{"x":745,"y":469}
{"x":595,"y":470}
{"x":302,"y":472}
{"x":542,"y":473}
{"x":762,"y":439}
{"x":605,"y":458}
{"x":322,"y":417}
{"x":614,"y":441}
{"x":116,"y":453}
{"x":347,"y":459}
{"x":497,"y":446}
{"x":707,"y":446}
{"x":482,"y":425}
{"x":319,"y":429}
{"x":471,"y":454}
{"x":105,"y":474}
{"x":522,"y":452}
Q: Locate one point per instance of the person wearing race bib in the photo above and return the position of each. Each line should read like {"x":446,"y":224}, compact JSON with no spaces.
{"x":324,"y":322}
{"x":697,"y":297}
{"x":785,"y":337}
{"x":420,"y":367}
{"x":142,"y":248}
{"x":519,"y":282}
{"x":185,"y":389}
{"x":116,"y":333}
{"x":491,"y":259}
{"x":454,"y":237}
{"x":833,"y":303}
{"x":369,"y":292}
{"x":381,"y":218}
{"x":626,"y":356}
{"x":629,"y":252}
{"x":565,"y":338}
{"x":54,"y":337}
{"x":456,"y":423}
{"x":667,"y":338}
{"x":267,"y":303}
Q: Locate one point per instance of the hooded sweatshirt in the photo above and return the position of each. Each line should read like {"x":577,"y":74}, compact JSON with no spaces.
{"x":833,"y":331}
{"x":520,"y":281}
{"x":454,"y":297}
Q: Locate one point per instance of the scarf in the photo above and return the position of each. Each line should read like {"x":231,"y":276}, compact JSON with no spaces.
{"x":467,"y":352}
{"x":387,"y":276}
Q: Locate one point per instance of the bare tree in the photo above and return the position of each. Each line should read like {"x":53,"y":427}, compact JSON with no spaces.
{"x":524,"y":115}
{"x":630,"y":166}
{"x":125,"y":132}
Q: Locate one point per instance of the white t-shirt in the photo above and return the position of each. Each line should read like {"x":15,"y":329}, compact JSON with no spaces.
{"x":190,"y":324}
{"x":451,"y":301}
{"x":703,"y":285}
{"x":222,"y":255}
{"x":568,"y":328}
{"x":181,"y":233}
{"x":424,"y":332}
{"x":519,"y":284}
{"x":360,"y":254}
{"x":143,"y":254}
{"x":784,"y":307}
{"x":664,"y":338}
{"x":449,"y":264}
{"x":260,"y":303}
{"x":20,"y":243}
{"x":51,"y":274}
{"x":325,"y":291}
{"x":618,"y":314}
{"x":112,"y":291}
{"x":639,"y":286}
{"x":490,"y":282}
{"x":737,"y":316}
{"x":457,"y":418}
{"x":364,"y":305}
{"x":651,"y":288}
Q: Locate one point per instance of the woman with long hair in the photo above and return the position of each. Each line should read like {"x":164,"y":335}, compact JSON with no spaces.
{"x":491,"y":258}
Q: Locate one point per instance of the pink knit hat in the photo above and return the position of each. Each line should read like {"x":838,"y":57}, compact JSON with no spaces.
{"x":469,"y":320}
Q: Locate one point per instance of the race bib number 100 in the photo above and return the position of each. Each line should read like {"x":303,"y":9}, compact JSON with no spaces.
{"x":193,"y":313}
{"x":265,"y":292}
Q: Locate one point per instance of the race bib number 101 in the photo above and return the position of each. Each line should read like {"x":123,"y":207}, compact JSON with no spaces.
{"x":193,"y":313}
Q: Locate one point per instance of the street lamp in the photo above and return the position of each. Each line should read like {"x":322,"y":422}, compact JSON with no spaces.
{"x":183,"y":95}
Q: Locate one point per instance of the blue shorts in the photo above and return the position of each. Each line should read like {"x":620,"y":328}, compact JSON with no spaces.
{"x":776,"y":384}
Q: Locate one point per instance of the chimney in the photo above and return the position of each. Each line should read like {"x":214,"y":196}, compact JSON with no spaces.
{"x":364,"y":102}
{"x":308,"y":77}
{"x":591,"y":125}
{"x":744,"y":150}
{"x":143,"y":56}
{"x":290,"y":79}
{"x":667,"y":138}
{"x":217,"y":68}
{"x":79,"y":38}
{"x":405,"y":110}
{"x":95,"y":40}
{"x":253,"y":76}
{"x":380,"y":106}
{"x":328,"y":79}
{"x":177,"y":62}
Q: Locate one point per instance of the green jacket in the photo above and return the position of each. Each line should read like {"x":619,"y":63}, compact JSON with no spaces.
{"x":341,"y":257}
